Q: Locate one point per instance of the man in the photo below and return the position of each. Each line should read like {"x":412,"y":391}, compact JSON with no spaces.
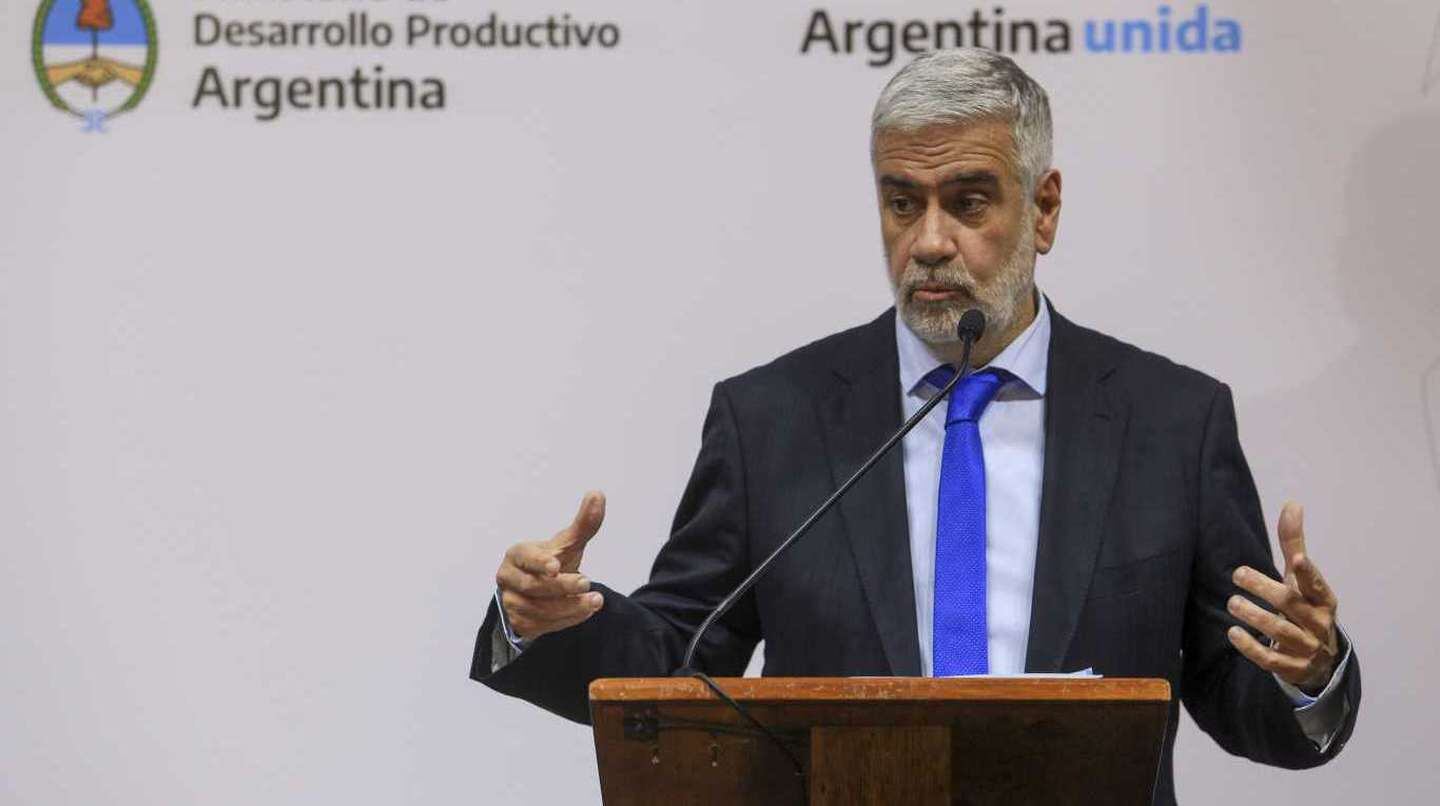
{"x":1078,"y":503}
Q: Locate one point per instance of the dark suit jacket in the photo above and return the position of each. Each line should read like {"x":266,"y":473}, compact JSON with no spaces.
{"x":1147,"y":506}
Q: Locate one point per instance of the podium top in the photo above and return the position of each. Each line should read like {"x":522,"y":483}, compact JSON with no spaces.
{"x":987,"y":741}
{"x":894,"y":689}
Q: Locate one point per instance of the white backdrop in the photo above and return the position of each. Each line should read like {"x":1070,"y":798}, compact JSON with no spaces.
{"x":275,"y":396}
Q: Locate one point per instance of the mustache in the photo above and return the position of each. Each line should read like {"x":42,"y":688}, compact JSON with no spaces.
{"x":939,"y":277}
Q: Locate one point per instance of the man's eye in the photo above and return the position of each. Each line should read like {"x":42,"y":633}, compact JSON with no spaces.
{"x":972,"y":205}
{"x":901,"y":205}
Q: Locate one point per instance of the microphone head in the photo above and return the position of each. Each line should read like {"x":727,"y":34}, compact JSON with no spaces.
{"x":972,"y":325}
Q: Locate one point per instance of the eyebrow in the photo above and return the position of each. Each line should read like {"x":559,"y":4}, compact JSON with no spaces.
{"x":988,"y":178}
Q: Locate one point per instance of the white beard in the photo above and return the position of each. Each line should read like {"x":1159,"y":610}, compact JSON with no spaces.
{"x":1001,"y":300}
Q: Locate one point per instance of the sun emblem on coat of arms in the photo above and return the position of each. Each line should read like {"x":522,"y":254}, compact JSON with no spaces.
{"x":94,"y":58}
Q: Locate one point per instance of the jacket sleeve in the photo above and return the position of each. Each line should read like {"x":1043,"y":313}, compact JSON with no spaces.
{"x":1236,"y":702}
{"x":645,"y":634}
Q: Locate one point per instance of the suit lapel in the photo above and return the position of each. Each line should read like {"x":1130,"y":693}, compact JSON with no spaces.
{"x":861,"y":412}
{"x":1083,"y":433}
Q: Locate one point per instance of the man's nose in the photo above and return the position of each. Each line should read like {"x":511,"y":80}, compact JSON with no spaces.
{"x":935,"y":243}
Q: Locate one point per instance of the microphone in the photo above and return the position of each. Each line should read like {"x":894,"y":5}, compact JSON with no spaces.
{"x":970,"y":328}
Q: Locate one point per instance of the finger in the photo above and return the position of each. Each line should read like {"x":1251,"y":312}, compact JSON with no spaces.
{"x":534,"y":558}
{"x":530,"y":617}
{"x":512,"y":578}
{"x":1312,"y":583}
{"x":1279,"y":595}
{"x":1287,"y":600}
{"x":1292,"y":533}
{"x":1270,"y":659}
{"x":546,"y":609}
{"x":1287,"y":634}
{"x":585,"y":524}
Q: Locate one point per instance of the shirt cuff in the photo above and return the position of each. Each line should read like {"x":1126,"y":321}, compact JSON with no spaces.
{"x":1321,"y":716}
{"x":505,"y":645}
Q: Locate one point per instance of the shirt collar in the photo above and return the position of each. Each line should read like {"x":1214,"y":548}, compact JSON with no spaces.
{"x":1027,"y":357}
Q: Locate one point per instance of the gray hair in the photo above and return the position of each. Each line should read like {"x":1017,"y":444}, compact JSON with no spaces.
{"x":969,"y":85}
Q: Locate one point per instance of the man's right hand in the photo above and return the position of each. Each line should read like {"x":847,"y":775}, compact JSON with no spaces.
{"x":540,"y":585}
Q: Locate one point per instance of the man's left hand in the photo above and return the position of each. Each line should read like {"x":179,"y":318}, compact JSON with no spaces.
{"x":1303,"y":646}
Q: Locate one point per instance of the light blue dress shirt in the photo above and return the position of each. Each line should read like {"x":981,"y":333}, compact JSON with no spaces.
{"x":1012,"y":430}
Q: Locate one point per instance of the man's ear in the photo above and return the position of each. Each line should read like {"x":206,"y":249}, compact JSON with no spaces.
{"x":1047,"y":206}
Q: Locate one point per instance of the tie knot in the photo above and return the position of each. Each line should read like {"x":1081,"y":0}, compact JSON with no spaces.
{"x":973,"y":393}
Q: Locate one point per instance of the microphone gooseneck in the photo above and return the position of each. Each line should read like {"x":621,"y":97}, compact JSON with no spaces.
{"x":970,"y":328}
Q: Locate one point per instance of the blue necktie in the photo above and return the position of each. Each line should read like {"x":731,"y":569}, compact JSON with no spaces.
{"x":960,"y":644}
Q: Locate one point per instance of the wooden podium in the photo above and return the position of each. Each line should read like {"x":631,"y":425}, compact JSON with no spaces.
{"x":891,"y":740}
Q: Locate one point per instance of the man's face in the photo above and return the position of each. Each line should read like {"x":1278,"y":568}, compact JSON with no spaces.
{"x":959,"y":227}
